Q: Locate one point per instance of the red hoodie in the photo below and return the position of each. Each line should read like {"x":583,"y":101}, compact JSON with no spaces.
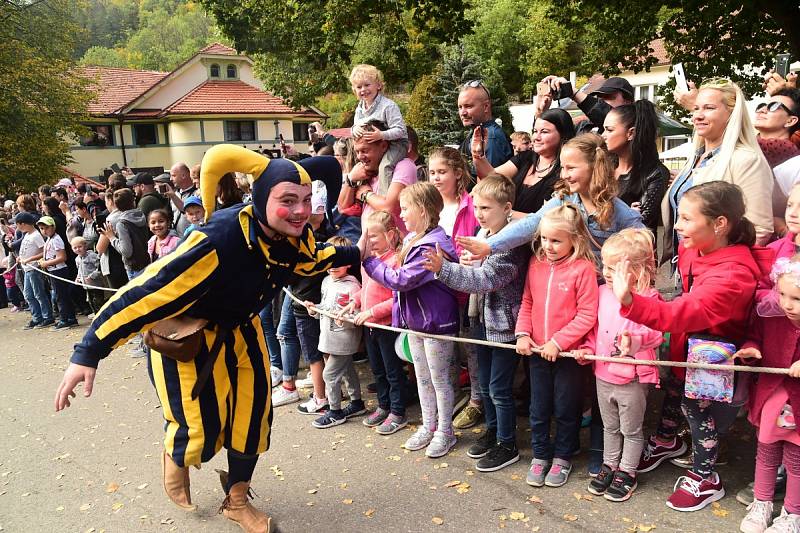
{"x":723,"y":285}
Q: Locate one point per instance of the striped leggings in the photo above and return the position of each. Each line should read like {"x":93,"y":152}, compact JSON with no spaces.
{"x":768,"y":458}
{"x":233,"y":410}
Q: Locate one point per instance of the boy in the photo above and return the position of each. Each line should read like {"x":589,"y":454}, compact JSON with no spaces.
{"x":195,"y":212}
{"x":367,"y":84}
{"x":88,"y":266}
{"x":520,"y":141}
{"x":54,"y":260}
{"x":31,"y":249}
{"x":339,"y":340}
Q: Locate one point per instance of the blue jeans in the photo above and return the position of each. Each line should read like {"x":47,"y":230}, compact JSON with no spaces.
{"x":296,"y":335}
{"x":496,"y":367}
{"x":36,"y":295}
{"x":14,"y":295}
{"x":63,"y":294}
{"x":273,"y":346}
{"x":390,"y":376}
{"x":556,"y":392}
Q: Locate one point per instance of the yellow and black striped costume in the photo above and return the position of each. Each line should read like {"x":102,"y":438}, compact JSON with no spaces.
{"x":224,"y":272}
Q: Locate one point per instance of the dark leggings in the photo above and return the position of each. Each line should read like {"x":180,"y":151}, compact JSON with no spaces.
{"x":241,"y":468}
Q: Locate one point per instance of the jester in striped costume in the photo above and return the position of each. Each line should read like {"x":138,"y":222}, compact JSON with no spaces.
{"x":224,"y":272}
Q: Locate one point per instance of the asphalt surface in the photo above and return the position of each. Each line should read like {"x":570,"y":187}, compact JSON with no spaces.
{"x":95,"y":467}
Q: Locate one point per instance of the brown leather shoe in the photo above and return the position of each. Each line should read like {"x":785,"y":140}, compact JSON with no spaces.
{"x":176,"y":483}
{"x":236,"y":507}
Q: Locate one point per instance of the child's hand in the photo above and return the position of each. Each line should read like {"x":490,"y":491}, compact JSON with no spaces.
{"x":108,"y":231}
{"x":525,"y":345}
{"x":309,"y":305}
{"x":622,"y":280}
{"x":478,"y":248}
{"x":580,"y":355}
{"x":362,"y":317}
{"x":748,"y":353}
{"x":550,"y":351}
{"x":347,"y":309}
{"x":624,"y":343}
{"x":372,"y":136}
{"x":433,"y":259}
{"x":794,"y":370}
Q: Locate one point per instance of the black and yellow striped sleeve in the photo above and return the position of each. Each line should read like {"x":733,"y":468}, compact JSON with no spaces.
{"x":316,"y":257}
{"x":164,"y":289}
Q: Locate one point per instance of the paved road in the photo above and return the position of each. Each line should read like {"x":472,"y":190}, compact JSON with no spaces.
{"x":95,"y":467}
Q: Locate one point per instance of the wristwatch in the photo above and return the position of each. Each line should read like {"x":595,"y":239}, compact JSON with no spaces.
{"x":349,"y":182}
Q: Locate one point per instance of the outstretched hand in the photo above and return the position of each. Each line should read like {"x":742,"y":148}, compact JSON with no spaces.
{"x":434,"y":259}
{"x":365,"y":247}
{"x":748,"y":353}
{"x":622,"y":281}
{"x":479,"y":248}
{"x":478,"y":142}
{"x":72,"y":376}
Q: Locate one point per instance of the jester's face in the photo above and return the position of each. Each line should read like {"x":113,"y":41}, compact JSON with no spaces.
{"x":288,"y":208}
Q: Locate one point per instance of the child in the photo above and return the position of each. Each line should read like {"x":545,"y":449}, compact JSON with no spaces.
{"x":520,"y":141}
{"x":376,"y":307}
{"x":559,"y":309}
{"x":500,"y":282}
{"x":715,"y":238}
{"x":13,"y":294}
{"x":790,"y":243}
{"x":422,"y":303}
{"x":195,"y":213}
{"x":88,"y":266}
{"x":775,"y":400}
{"x":30,"y":251}
{"x":367,"y":84}
{"x":339,"y":340}
{"x":449,"y":173}
{"x":164,"y":239}
{"x":621,"y":388}
{"x":54,"y":260}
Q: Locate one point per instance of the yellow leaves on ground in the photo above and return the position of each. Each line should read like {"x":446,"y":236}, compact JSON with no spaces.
{"x":570,"y":517}
{"x":437,"y":520}
{"x":717,"y":509}
{"x":112,"y":487}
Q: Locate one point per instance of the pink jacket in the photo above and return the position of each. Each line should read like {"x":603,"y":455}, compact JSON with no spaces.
{"x":375,"y":296}
{"x":610,"y":324}
{"x":559,"y":302}
{"x":783,"y":247}
{"x":171,"y":242}
{"x":466,"y":224}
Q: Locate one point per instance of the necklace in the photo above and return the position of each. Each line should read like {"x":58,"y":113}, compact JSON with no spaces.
{"x":546,"y":169}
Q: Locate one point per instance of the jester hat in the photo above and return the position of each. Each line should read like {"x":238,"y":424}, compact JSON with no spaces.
{"x":266,"y":172}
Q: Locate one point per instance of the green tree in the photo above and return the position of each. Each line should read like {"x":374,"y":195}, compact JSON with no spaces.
{"x":42,"y":101}
{"x":107,"y":23}
{"x":307,"y":48}
{"x":104,"y":57}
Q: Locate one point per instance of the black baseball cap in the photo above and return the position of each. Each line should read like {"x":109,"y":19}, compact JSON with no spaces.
{"x":615,"y":84}
{"x":143,"y":178}
{"x":24,"y":217}
{"x":162,"y":178}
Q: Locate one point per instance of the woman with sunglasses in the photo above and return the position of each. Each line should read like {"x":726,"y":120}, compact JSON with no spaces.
{"x":776,"y":120}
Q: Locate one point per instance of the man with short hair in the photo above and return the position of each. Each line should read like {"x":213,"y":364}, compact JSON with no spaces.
{"x":183,"y":188}
{"x":149,"y":198}
{"x":614,"y":92}
{"x":475,"y":110}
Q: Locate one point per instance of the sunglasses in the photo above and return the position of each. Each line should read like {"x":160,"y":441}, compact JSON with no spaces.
{"x":474,"y":84}
{"x":772,"y":107}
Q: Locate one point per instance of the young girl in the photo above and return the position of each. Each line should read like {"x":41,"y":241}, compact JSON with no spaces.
{"x":719,"y":275}
{"x":376,"y":307}
{"x":422,"y":303}
{"x":449,"y":173}
{"x":559,"y":309}
{"x":775,"y":400}
{"x":164,"y":239}
{"x":621,"y":388}
{"x":54,"y":261}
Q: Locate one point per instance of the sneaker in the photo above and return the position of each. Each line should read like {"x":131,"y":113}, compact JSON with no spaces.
{"x":90,"y":316}
{"x":45,"y":324}
{"x":375,"y":418}
{"x":559,"y":473}
{"x":354,"y":408}
{"x":372,"y":388}
{"x":785,"y":523}
{"x":30,"y":325}
{"x":468,"y":417}
{"x":600,"y":483}
{"x":537,"y":472}
{"x":621,"y":488}
{"x":333,"y":417}
{"x":276,"y":375}
{"x":693,"y":493}
{"x":502,"y":455}
{"x":138,"y":353}
{"x":687,"y":461}
{"x":283,"y":396}
{"x":392,"y":424}
{"x":420,"y":439}
{"x":746,"y":497}
{"x":360,"y":357}
{"x":595,"y":462}
{"x":15,"y":309}
{"x":305,"y":383}
{"x":654,"y":454}
{"x":313,"y":406}
{"x":440,"y":444}
{"x":483,"y":445}
{"x":64,"y":325}
{"x":461,"y":400}
{"x":759,"y":516}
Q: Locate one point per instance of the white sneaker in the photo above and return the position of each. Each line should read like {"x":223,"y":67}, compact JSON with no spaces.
{"x":758,"y":517}
{"x":313,"y":406}
{"x":283,"y":396}
{"x":440,"y":444}
{"x":276,"y":375}
{"x":305,"y":383}
{"x":785,"y":523}
{"x":420,"y":439}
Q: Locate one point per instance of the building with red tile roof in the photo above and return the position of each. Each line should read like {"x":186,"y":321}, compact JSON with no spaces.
{"x":150,"y":119}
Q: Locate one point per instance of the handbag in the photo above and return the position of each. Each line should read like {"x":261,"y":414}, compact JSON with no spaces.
{"x":715,"y":385}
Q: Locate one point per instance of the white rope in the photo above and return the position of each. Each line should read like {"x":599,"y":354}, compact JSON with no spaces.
{"x":94,"y":287}
{"x":590,"y":357}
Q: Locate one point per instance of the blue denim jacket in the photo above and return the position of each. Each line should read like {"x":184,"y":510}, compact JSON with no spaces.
{"x":522,"y":231}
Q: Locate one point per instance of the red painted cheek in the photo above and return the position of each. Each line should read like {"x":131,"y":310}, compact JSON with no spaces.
{"x":282,"y":212}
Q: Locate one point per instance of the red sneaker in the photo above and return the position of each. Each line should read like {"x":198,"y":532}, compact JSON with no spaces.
{"x":654,"y":453}
{"x":692,"y":492}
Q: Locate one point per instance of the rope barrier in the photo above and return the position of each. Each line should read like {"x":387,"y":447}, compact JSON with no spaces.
{"x":93,"y":287}
{"x":590,"y":357}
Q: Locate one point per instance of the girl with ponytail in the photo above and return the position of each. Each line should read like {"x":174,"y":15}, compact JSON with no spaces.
{"x":630,"y":133}
{"x":719,"y":273}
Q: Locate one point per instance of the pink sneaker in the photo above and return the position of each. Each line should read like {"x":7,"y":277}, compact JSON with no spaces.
{"x":693,"y":492}
{"x":654,"y":453}
{"x":14,"y":309}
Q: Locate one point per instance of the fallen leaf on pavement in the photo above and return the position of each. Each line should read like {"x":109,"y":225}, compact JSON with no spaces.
{"x":570,"y":517}
{"x":438,"y":521}
{"x":535,"y":499}
{"x":516,"y":515}
{"x":453,"y":483}
{"x":312,"y":491}
{"x":369,"y":512}
{"x":348,"y":501}
{"x":112,"y":487}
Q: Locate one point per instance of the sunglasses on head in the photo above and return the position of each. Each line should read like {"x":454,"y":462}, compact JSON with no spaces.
{"x":773,"y":106}
{"x":474,"y":84}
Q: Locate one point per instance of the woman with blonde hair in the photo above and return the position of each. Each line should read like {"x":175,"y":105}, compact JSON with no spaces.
{"x":726,"y":149}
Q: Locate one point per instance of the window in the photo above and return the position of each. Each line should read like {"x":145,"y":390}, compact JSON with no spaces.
{"x":214,"y":70}
{"x":99,"y":135}
{"x":240,"y":130}
{"x":674,"y":142}
{"x":144,"y":134}
{"x":231,"y":71}
{"x":300,"y":130}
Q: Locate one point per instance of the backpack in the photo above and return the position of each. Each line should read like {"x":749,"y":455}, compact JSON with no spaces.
{"x":139,"y":237}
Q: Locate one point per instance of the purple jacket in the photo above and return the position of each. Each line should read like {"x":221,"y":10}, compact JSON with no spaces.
{"x":420,"y":302}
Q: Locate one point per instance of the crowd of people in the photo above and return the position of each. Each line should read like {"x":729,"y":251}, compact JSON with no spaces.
{"x":543,"y":244}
